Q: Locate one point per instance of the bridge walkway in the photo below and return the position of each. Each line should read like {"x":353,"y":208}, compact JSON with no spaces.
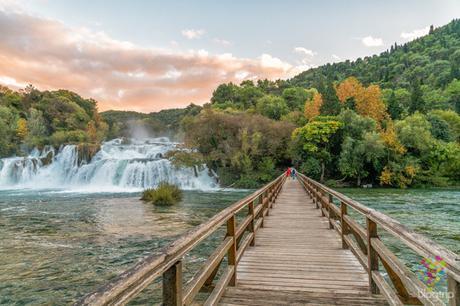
{"x":297,"y":259}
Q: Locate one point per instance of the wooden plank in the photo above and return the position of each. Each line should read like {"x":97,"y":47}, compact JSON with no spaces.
{"x":243,"y":226}
{"x":172,"y":285}
{"x":412,"y":286}
{"x":357,"y":251}
{"x":386,"y":290}
{"x":358,"y":231}
{"x":240,"y":296}
{"x":372,"y":257}
{"x":244,"y":245}
{"x":252,"y":227}
{"x":221,"y":285}
{"x":453,"y":289}
{"x":211,"y":265}
{"x":231,"y":232}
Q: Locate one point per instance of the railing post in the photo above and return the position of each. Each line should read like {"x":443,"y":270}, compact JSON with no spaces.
{"x":319,"y":195}
{"x":172,"y":285}
{"x":269,"y":202}
{"x":231,"y":229}
{"x":315,"y":196}
{"x":329,"y":211}
{"x":262,"y":202}
{"x":453,"y":289}
{"x":343,"y":223}
{"x":252,"y":225}
{"x":372,"y":256}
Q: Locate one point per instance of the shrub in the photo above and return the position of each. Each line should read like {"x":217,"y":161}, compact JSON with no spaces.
{"x":164,"y":195}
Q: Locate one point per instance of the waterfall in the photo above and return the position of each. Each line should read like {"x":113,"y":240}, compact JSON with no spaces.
{"x":115,"y":167}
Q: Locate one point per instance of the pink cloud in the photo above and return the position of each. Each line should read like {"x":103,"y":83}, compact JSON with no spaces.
{"x":119,"y":74}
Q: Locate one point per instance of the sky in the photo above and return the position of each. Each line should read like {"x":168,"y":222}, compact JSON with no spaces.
{"x":152,"y":55}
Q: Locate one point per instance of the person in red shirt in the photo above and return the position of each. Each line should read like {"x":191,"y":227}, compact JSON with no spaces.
{"x":288,"y":172}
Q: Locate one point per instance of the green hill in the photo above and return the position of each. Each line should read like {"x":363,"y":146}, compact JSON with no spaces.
{"x":431,"y":62}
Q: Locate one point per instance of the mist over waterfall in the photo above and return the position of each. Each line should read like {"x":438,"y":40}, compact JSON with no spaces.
{"x":117,"y":166}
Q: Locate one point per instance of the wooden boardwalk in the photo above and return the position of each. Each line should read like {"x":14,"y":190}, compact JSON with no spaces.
{"x":289,"y":243}
{"x":297,"y":259}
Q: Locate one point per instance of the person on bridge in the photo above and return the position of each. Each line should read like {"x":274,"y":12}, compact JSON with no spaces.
{"x":288,"y":172}
{"x":293,"y":173}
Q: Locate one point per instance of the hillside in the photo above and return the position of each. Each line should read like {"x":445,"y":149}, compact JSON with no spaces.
{"x":431,"y":62}
{"x":163,"y":123}
{"x":389,"y":119}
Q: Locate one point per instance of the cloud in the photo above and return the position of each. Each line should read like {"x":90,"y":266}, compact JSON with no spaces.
{"x":222,"y":42}
{"x":119,"y":74}
{"x":415,"y":33}
{"x":304,"y":51}
{"x":193,"y":34}
{"x":305,"y":62}
{"x":336,"y":57}
{"x":370,"y":41}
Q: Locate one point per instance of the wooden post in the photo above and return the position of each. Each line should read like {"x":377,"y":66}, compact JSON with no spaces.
{"x":172,"y":285}
{"x":372,"y":256}
{"x":453,"y":289}
{"x":261,"y":201}
{"x":329,"y":210}
{"x":319,"y":195}
{"x":269,"y":202}
{"x":343,"y":223}
{"x":252,"y":225}
{"x":231,"y":229}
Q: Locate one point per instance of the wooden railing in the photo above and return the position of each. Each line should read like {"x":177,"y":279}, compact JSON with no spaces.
{"x":403,"y":287}
{"x":168,"y":263}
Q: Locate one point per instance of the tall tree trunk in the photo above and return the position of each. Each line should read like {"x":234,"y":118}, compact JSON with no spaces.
{"x":359,"y":181}
{"x":322,"y":173}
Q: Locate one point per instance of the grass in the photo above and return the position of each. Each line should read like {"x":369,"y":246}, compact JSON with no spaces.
{"x":164,"y":195}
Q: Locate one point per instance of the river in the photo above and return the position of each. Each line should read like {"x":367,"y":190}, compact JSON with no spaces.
{"x":58,"y":245}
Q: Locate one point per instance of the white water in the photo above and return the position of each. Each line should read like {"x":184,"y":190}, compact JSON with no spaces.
{"x":116,"y":167}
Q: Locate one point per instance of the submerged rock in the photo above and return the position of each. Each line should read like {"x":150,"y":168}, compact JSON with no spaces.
{"x":86,"y":152}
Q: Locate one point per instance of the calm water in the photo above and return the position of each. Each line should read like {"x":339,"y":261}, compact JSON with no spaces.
{"x":56,"y":246}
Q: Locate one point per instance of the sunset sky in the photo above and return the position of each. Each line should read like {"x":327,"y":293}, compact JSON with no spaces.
{"x":150,"y":55}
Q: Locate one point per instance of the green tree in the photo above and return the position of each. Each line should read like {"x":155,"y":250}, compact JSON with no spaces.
{"x":414,"y":132}
{"x":295,"y":97}
{"x":394,"y":107}
{"x":417,"y":102}
{"x":358,"y":156}
{"x":440,"y":128}
{"x":272,"y":107}
{"x":452,"y":119}
{"x":314,"y":139}
{"x":331,"y":104}
{"x":354,"y":125}
{"x":453,"y":92}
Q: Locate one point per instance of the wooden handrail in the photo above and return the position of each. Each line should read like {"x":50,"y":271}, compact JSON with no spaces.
{"x":369,"y":249}
{"x":168,"y":262}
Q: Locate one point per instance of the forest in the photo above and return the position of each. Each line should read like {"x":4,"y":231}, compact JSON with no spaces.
{"x":390,"y":119}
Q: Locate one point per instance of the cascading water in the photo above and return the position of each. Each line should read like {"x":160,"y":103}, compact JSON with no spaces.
{"x":115,"y":167}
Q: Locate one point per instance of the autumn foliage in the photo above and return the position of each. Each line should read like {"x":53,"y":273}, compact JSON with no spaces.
{"x":349,"y":88}
{"x":313,"y":106}
{"x":368,"y":101}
